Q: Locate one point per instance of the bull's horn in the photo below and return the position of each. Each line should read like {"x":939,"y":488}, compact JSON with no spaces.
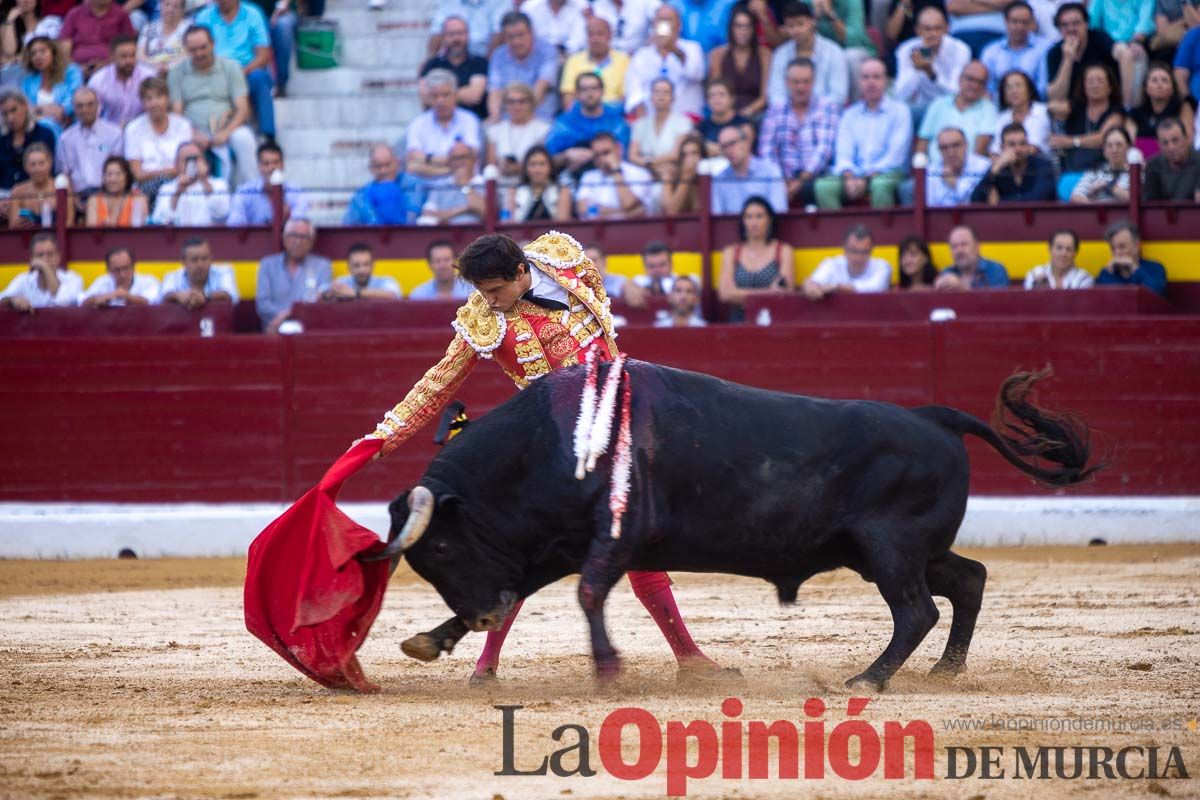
{"x":420,"y":511}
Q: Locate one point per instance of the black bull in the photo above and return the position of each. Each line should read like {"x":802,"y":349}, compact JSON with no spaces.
{"x":726,"y":478}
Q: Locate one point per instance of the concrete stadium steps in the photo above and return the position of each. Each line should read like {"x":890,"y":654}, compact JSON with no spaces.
{"x":336,"y":142}
{"x":343,"y":82}
{"x":382,"y":109}
{"x":331,"y":117}
{"x":328,"y":171}
{"x":327,"y":207}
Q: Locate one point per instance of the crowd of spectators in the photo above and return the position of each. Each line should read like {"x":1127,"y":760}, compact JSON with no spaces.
{"x":162,"y":114}
{"x":759,"y":263}
{"x":150,"y":112}
{"x":820,"y":101}
{"x":807,"y":96}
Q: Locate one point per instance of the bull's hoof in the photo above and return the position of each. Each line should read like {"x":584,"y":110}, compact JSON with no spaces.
{"x":608,"y":671}
{"x":946,"y":669}
{"x":865,"y":683}
{"x":422,"y":647}
{"x":708,"y":674}
{"x":483,"y":679}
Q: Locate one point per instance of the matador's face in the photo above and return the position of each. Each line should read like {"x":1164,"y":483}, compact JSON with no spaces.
{"x":502,"y":295}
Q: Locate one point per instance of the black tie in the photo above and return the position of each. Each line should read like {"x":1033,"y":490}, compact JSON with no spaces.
{"x":544,"y":302}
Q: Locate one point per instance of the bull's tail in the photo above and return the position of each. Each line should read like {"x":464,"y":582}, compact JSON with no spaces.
{"x":1025,"y":434}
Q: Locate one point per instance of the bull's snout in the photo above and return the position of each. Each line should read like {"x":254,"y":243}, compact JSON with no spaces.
{"x":493,"y":620}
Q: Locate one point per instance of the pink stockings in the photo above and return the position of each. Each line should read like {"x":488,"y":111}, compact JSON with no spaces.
{"x":654,"y":590}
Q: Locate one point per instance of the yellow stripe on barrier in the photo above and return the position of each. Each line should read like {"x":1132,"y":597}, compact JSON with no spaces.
{"x":1182,"y":260}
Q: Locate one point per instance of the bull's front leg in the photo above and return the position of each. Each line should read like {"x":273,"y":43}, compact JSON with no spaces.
{"x":601,"y":570}
{"x":428,"y":646}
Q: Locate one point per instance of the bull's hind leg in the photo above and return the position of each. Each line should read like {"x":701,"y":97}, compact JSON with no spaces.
{"x":901,"y":581}
{"x":960,"y":580}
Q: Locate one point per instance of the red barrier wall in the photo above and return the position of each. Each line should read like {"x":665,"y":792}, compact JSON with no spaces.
{"x":258,"y":419}
{"x":140,"y":420}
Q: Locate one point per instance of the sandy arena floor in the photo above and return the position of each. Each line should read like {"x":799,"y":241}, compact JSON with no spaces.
{"x":137,"y":679}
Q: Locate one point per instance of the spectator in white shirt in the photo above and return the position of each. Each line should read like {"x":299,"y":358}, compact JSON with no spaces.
{"x":194,"y":199}
{"x":832,"y":76}
{"x":630,"y":21}
{"x":655,"y":137}
{"x":152,"y":139}
{"x":681,"y":61}
{"x":852,"y":271}
{"x":614,"y":189}
{"x":559,"y":22}
{"x":1019,"y":103}
{"x":928,"y":65}
{"x":199,"y":281}
{"x":434,"y":132}
{"x":1061,"y":272}
{"x":46,"y":283}
{"x":121,"y":284}
{"x":510,"y":139}
{"x":952,"y":182}
{"x":658,"y":271}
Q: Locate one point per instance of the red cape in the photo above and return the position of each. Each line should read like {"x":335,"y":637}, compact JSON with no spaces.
{"x":306,"y":595}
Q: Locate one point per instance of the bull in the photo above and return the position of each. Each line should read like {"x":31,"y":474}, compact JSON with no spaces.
{"x":726,"y":478}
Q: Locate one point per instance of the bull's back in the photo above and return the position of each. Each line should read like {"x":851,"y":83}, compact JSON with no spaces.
{"x":778,"y":466}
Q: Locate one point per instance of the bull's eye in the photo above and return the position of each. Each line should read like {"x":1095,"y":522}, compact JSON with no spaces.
{"x":440,"y":548}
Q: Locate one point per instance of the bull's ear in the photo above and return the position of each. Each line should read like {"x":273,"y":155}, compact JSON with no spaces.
{"x":447,"y":501}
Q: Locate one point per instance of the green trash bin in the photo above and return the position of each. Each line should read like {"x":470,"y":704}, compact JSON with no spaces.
{"x":318,"y":45}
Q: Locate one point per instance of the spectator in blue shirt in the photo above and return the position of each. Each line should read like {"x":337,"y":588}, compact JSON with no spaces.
{"x":251,"y":204}
{"x":383,"y":200}
{"x":240,"y":34}
{"x":570,"y":139}
{"x":523,"y":58}
{"x":1187,"y":63}
{"x":445,"y":284}
{"x":704,"y":21}
{"x":362,"y":283}
{"x":1127,"y":267}
{"x":970,"y":270}
{"x":293,"y":276}
{"x":871,"y":155}
{"x":1021,"y":49}
{"x":199,"y":281}
{"x":480,"y":16}
{"x":745,"y":177}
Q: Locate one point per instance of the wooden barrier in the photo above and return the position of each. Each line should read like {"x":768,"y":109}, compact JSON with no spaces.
{"x":405,"y":314}
{"x":250,"y":418}
{"x":215,"y":319}
{"x":1101,"y":301}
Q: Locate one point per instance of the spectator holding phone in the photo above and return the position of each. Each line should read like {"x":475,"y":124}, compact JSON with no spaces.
{"x":194,"y":199}
{"x":928,"y":65}
{"x":1127,"y":267}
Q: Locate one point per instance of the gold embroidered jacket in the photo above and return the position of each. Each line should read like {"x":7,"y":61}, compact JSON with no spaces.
{"x":527,"y":341}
